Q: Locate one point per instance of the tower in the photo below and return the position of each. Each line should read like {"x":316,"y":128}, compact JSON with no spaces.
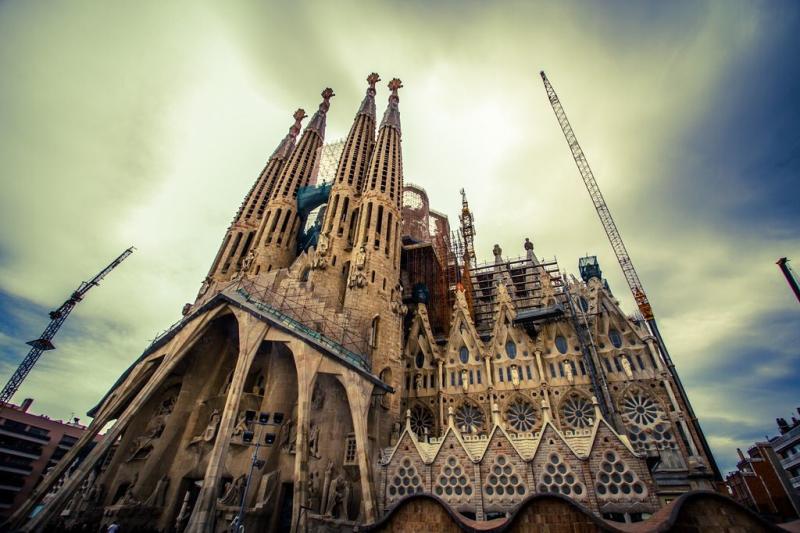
{"x":248,"y":224}
{"x":374,"y":282}
{"x":277,"y":242}
{"x":339,"y":227}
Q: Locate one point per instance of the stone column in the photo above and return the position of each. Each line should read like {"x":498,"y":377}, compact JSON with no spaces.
{"x":359,"y":393}
{"x":251,"y":333}
{"x":190,"y":334}
{"x":539,"y":367}
{"x":306,"y":377}
{"x":489,"y":375}
{"x":440,"y":392}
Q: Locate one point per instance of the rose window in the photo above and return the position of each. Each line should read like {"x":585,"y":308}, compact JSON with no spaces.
{"x":469,"y":419}
{"x":521,"y":416}
{"x":577,"y":412}
{"x":421,"y":419}
{"x":641,"y":409}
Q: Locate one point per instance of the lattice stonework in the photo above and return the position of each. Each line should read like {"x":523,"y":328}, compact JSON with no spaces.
{"x":646,"y":423}
{"x":577,"y":412}
{"x":503,"y":484}
{"x":453,"y":484}
{"x":616,"y":481}
{"x":558,"y":478}
{"x":405,"y":480}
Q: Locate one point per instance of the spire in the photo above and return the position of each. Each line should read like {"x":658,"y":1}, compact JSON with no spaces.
{"x":368,"y":104}
{"x":287,"y":144}
{"x":391,"y":117}
{"x":317,"y":123}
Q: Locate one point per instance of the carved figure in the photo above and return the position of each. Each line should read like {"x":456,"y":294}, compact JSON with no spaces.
{"x":248,"y":261}
{"x":129,"y":498}
{"x":357,"y":279}
{"x":241,"y":425}
{"x":464,"y":379}
{"x":361,"y":257}
{"x":528,"y":245}
{"x":204,"y":287}
{"x":326,"y":482}
{"x":288,"y":436}
{"x":266,"y":490}
{"x":317,"y":398}
{"x":233,"y":492}
{"x":143,"y":444}
{"x":497,"y":251}
{"x":313,"y":441}
{"x":515,"y":375}
{"x":626,"y":366}
{"x":211,"y":429}
{"x":336,"y":495}
{"x":185,"y":512}
{"x":568,"y":371}
{"x":418,"y":381}
{"x":322,"y":244}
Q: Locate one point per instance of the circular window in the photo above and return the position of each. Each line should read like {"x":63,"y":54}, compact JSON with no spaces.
{"x":615,"y":338}
{"x":521,"y":416}
{"x":421,"y":419}
{"x":463,"y":354}
{"x":469,"y":418}
{"x":420,"y":359}
{"x":577,"y":412}
{"x":561,"y":344}
{"x":511,"y":349}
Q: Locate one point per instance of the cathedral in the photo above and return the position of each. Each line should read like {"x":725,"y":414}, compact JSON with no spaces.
{"x":348,"y":353}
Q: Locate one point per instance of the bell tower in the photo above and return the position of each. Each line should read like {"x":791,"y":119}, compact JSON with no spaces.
{"x":336,"y":241}
{"x":249,"y":221}
{"x":276,"y":246}
{"x":373,"y":287}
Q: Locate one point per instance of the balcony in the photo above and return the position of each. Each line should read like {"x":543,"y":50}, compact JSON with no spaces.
{"x":787,"y":439}
{"x":24,"y":434}
{"x":30,"y":454}
{"x":16,"y":469}
{"x":790,"y":462}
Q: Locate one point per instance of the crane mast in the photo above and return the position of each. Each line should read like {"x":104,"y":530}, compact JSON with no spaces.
{"x":57,"y":318}
{"x":631,"y":277}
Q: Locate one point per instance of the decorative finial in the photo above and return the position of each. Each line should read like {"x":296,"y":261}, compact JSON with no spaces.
{"x":327,"y":94}
{"x":597,"y":413}
{"x":372,"y":79}
{"x":299,"y":115}
{"x":394,"y":85}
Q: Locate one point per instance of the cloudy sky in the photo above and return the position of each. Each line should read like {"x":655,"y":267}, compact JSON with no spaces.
{"x":145,"y":124}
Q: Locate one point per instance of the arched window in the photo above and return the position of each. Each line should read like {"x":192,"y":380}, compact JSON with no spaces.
{"x":511,"y":349}
{"x":561,"y":344}
{"x":373,"y":332}
{"x":615,"y":338}
{"x":420,"y":359}
{"x":463,"y":354}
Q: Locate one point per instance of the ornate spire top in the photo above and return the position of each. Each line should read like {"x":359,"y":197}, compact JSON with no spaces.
{"x":368,"y":104}
{"x":285,"y":147}
{"x":317,"y":123}
{"x":391,"y":117}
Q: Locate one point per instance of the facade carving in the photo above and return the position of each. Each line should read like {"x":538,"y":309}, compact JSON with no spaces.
{"x":375,"y":365}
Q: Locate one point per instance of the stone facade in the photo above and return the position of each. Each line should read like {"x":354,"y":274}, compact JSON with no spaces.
{"x":364,"y":381}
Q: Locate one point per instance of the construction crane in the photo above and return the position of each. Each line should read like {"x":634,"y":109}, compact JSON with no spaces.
{"x":623,"y":257}
{"x":57,"y":318}
{"x":790,"y":275}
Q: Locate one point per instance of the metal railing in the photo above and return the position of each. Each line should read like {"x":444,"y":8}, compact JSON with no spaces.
{"x":303,"y":316}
